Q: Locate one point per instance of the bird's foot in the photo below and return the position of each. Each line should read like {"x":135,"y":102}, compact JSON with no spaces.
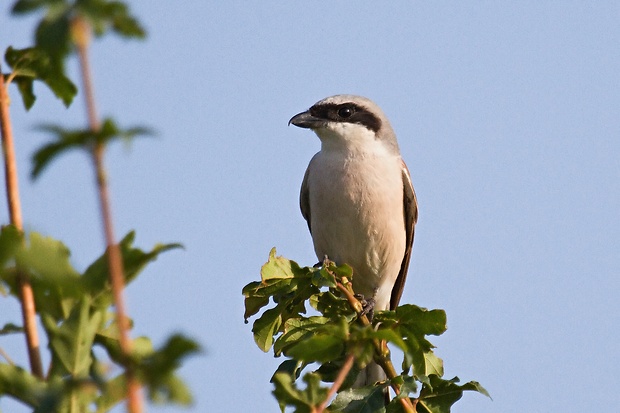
{"x":368,"y":306}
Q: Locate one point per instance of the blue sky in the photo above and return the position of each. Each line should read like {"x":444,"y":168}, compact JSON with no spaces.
{"x":508,"y":116}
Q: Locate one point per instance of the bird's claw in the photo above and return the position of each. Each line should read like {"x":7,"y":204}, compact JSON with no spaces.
{"x":368,"y":306}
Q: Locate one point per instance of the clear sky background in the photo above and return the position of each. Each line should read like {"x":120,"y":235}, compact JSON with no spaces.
{"x":507,"y":113}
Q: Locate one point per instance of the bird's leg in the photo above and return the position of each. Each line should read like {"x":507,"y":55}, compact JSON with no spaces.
{"x":368,"y":306}
{"x":325,"y":262}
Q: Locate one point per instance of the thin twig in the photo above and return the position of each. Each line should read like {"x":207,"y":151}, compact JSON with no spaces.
{"x":342,"y":374}
{"x":81,"y":34}
{"x":6,"y":357}
{"x":15,"y":216}
{"x":380,"y":348}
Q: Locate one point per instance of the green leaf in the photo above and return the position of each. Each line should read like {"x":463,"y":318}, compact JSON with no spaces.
{"x":157,"y":370}
{"x":21,"y":385}
{"x":433,"y":364}
{"x":369,"y":399}
{"x":441,"y":394}
{"x":278,"y":267}
{"x":413,"y":323}
{"x":114,"y":392}
{"x":67,"y":139}
{"x":266,"y":327}
{"x":95,"y":279}
{"x":72,"y":340}
{"x":26,"y":6}
{"x":321,"y":348}
{"x":10,"y":242}
{"x":332,"y":306}
{"x":11,"y":328}
{"x":304,"y":400}
{"x":48,"y":258}
{"x":46,"y":261}
{"x":421,"y":320}
{"x":253,"y":306}
{"x":32,"y":64}
{"x":297,"y":330}
{"x":114,"y":15}
{"x":53,"y":35}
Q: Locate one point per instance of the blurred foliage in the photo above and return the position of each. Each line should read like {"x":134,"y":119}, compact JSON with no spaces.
{"x":87,"y":368}
{"x":75,"y":310}
{"x":290,"y":292}
{"x":67,"y":139}
{"x":54,"y":40}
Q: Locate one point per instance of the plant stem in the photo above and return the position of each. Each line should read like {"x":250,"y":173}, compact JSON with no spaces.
{"x":81,"y":35}
{"x":381,"y":350}
{"x":342,"y":374}
{"x":15,"y":216}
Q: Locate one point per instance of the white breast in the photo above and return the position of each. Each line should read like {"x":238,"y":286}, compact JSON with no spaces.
{"x":356,"y":204}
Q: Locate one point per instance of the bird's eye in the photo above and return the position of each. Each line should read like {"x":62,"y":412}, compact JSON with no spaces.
{"x":345,"y":112}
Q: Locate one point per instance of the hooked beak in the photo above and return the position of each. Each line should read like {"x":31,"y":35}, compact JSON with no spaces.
{"x":306,"y":120}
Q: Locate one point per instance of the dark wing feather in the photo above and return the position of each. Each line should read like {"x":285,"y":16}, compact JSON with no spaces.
{"x":410,"y":204}
{"x":304,"y":200}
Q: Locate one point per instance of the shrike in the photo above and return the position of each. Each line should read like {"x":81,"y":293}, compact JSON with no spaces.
{"x":358,"y":199}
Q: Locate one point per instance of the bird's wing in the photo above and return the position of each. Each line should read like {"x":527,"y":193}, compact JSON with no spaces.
{"x":304,"y":200}
{"x":410,"y":204}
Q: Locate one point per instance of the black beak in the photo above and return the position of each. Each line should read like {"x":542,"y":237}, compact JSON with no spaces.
{"x":306,"y":120}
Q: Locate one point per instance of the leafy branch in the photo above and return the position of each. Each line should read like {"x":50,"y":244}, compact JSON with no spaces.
{"x":75,"y":309}
{"x":15,"y":216}
{"x":341,"y":341}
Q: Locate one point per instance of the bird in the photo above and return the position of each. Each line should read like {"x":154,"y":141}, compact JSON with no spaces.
{"x":358,"y":200}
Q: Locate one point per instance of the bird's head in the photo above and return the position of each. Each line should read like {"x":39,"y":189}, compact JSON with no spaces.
{"x":348,"y":121}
